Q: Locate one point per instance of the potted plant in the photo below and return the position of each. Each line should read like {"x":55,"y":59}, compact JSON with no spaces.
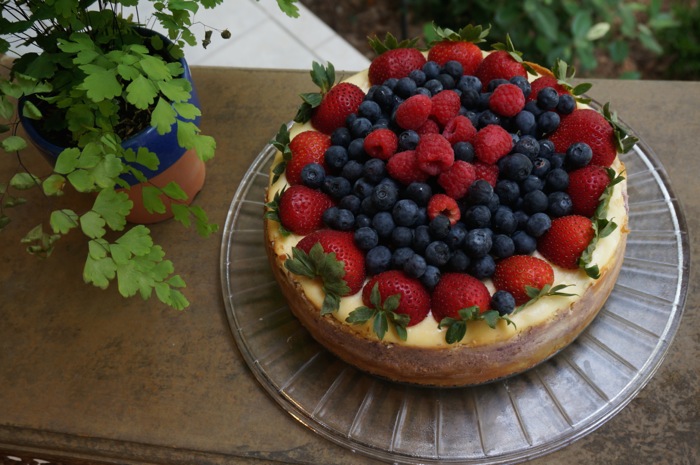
{"x":99,"y":83}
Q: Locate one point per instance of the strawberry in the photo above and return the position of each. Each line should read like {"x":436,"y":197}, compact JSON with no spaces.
{"x":307,"y":147}
{"x":589,"y":126}
{"x":457,"y":291}
{"x":566,"y":240}
{"x":504,"y":63}
{"x":459,"y":46}
{"x":492,"y":143}
{"x":329,"y":108}
{"x":586,"y":185}
{"x":414,"y":300}
{"x":507,"y":100}
{"x":515,"y":273}
{"x":546,"y":81}
{"x":442,"y":204}
{"x":300,"y":209}
{"x":396,"y":59}
{"x":342,"y":243}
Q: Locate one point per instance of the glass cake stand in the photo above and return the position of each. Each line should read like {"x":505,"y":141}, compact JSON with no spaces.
{"x":519,"y":418}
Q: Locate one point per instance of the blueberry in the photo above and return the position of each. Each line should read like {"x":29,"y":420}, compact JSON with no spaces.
{"x":503,"y":246}
{"x":369,"y":109}
{"x":538,"y":224}
{"x":419,"y":192}
{"x":547,"y":98}
{"x":523,"y":83}
{"x":434,"y":86}
{"x":560,"y":204}
{"x":402,"y":236}
{"x":431,"y":277}
{"x":531,"y":183}
{"x":374,"y":170}
{"x":356,"y":150}
{"x":521,"y":217}
{"x":390,"y":83}
{"x":362,"y":188}
{"x":384,"y":97}
{"x":548,"y":121}
{"x":335,"y":157}
{"x":566,"y":105}
{"x":504,"y":221}
{"x":313,"y":175}
{"x":515,"y":166}
{"x":459,"y":261}
{"x":469,"y":82}
{"x":532,"y":107}
{"x":400,"y":256}
{"x":464,"y":151}
{"x":477,"y":216}
{"x":482,"y":267}
{"x":508,"y":191}
{"x":527,"y":145}
{"x":383,"y":223}
{"x":408,"y":140}
{"x":405,"y":87}
{"x":385,"y":195}
{"x":578,"y":155}
{"x":405,"y":212}
{"x":421,"y":238}
{"x":336,"y":186}
{"x":470,"y":99}
{"x":330,"y":216}
{"x":480,"y":192}
{"x":352,"y":170}
{"x":439,"y":227}
{"x":556,"y":160}
{"x":362,"y":220}
{"x":546,"y":148}
{"x":503,"y":302}
{"x":525,"y":244}
{"x":366,"y":238}
{"x":431,"y":69}
{"x":455,"y":238}
{"x":495,"y":83}
{"x":447,"y":81}
{"x":418,"y":76}
{"x":345,"y":220}
{"x":437,"y":253}
{"x":381,"y":123}
{"x":351,"y":202}
{"x":341,"y":136}
{"x":557,"y":180}
{"x":378,"y":260}
{"x":540,"y":167}
{"x":478,"y":242}
{"x":453,"y":68}
{"x":360,"y":127}
{"x":415,"y":266}
{"x":535,"y":201}
{"x":487,"y":117}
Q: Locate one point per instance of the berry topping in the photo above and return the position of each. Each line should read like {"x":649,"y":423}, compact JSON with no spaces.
{"x":434,"y":154}
{"x":566,"y":240}
{"x":518,"y":272}
{"x":459,"y":129}
{"x":459,"y":46}
{"x":381,"y":143}
{"x":414,"y":111}
{"x":396,"y":59}
{"x":492,"y":143}
{"x":588,"y":126}
{"x":446,"y":105}
{"x":414,"y":300}
{"x":505,"y":63}
{"x":307,"y":147}
{"x":586,"y":186}
{"x":300,"y":209}
{"x":457,"y":291}
{"x":441,"y":204}
{"x":457,"y":179}
{"x":507,"y":100}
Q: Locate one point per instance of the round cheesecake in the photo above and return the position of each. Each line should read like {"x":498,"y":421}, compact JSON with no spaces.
{"x":486,"y":352}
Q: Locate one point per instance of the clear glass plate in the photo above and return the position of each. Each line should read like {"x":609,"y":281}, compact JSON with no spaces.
{"x":519,"y":418}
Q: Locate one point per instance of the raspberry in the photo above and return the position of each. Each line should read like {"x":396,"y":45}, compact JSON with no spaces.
{"x":446,"y":105}
{"x":434,"y":154}
{"x":442,"y":204}
{"x":414,"y":111}
{"x":403,"y":167}
{"x":492,"y":143}
{"x":429,"y":127}
{"x":381,"y":143}
{"x":457,"y":179}
{"x":507,"y":100}
{"x":488,"y":173}
{"x":459,"y":129}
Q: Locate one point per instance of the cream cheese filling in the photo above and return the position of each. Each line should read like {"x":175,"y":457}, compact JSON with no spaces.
{"x":426,"y":333}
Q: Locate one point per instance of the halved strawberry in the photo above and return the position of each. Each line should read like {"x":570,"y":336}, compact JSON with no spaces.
{"x":307,"y":147}
{"x":515,"y":273}
{"x":586,"y":185}
{"x":565,"y":241}
{"x":300,"y":209}
{"x":396,"y":59}
{"x":459,"y":46}
{"x":457,"y":291}
{"x":328,"y":108}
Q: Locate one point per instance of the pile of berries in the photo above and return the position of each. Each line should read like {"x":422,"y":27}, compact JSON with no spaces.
{"x":439,"y":173}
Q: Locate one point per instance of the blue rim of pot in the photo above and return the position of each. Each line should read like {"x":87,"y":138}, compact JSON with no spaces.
{"x":165,"y":146}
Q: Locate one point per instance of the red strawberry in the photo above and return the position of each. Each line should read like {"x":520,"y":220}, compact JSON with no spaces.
{"x":342,"y":243}
{"x":446,"y":105}
{"x":507,"y":100}
{"x":307,"y":147}
{"x":546,"y":81}
{"x":414,"y":300}
{"x":459,"y":129}
{"x":457,"y":179}
{"x":403,"y":167}
{"x":381,"y":143}
{"x":395,"y":60}
{"x":301,"y":208}
{"x":516,"y":272}
{"x":589,"y":126}
{"x":459,"y":46}
{"x":586,"y":185}
{"x":442,"y":204}
{"x":456,"y":291}
{"x":492,"y":143}
{"x":328,"y":108}
{"x":488,"y":173}
{"x":566,"y":240}
{"x":414,"y":111}
{"x":500,"y":64}
{"x":434,"y":154}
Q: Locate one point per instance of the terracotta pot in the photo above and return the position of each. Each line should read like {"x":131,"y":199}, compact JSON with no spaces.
{"x":176,"y":163}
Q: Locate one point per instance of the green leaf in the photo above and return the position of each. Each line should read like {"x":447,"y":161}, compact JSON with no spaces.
{"x":163,"y":117}
{"x":174,"y":191}
{"x":137,"y":239}
{"x":205,"y":146}
{"x":53,"y":185}
{"x":99,"y":271}
{"x":141,"y":92}
{"x":360,"y":315}
{"x":177,"y":90}
{"x":187,"y":110}
{"x":113,"y":207}
{"x":81,"y":180}
{"x":289,"y":8}
{"x":381,"y":325}
{"x":151,"y":199}
{"x":92,"y":225}
{"x":186,"y":133}
{"x":13,"y":143}
{"x":62,"y":221}
{"x":29,"y":110}
{"x":598,"y":31}
{"x":155,"y":68}
{"x":23,"y":181}
{"x":147,"y":158}
{"x":67,"y":160}
{"x":101,"y":85}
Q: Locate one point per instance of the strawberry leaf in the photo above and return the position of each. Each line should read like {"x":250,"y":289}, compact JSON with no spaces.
{"x":536,"y":294}
{"x":623,"y":140}
{"x":382,"y":314}
{"x":390,"y":43}
{"x":469,"y":33}
{"x":281,"y":143}
{"x":324,"y":78}
{"x":457,"y":327}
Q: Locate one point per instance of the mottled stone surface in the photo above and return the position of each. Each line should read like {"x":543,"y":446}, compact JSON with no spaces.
{"x":85,"y":373}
